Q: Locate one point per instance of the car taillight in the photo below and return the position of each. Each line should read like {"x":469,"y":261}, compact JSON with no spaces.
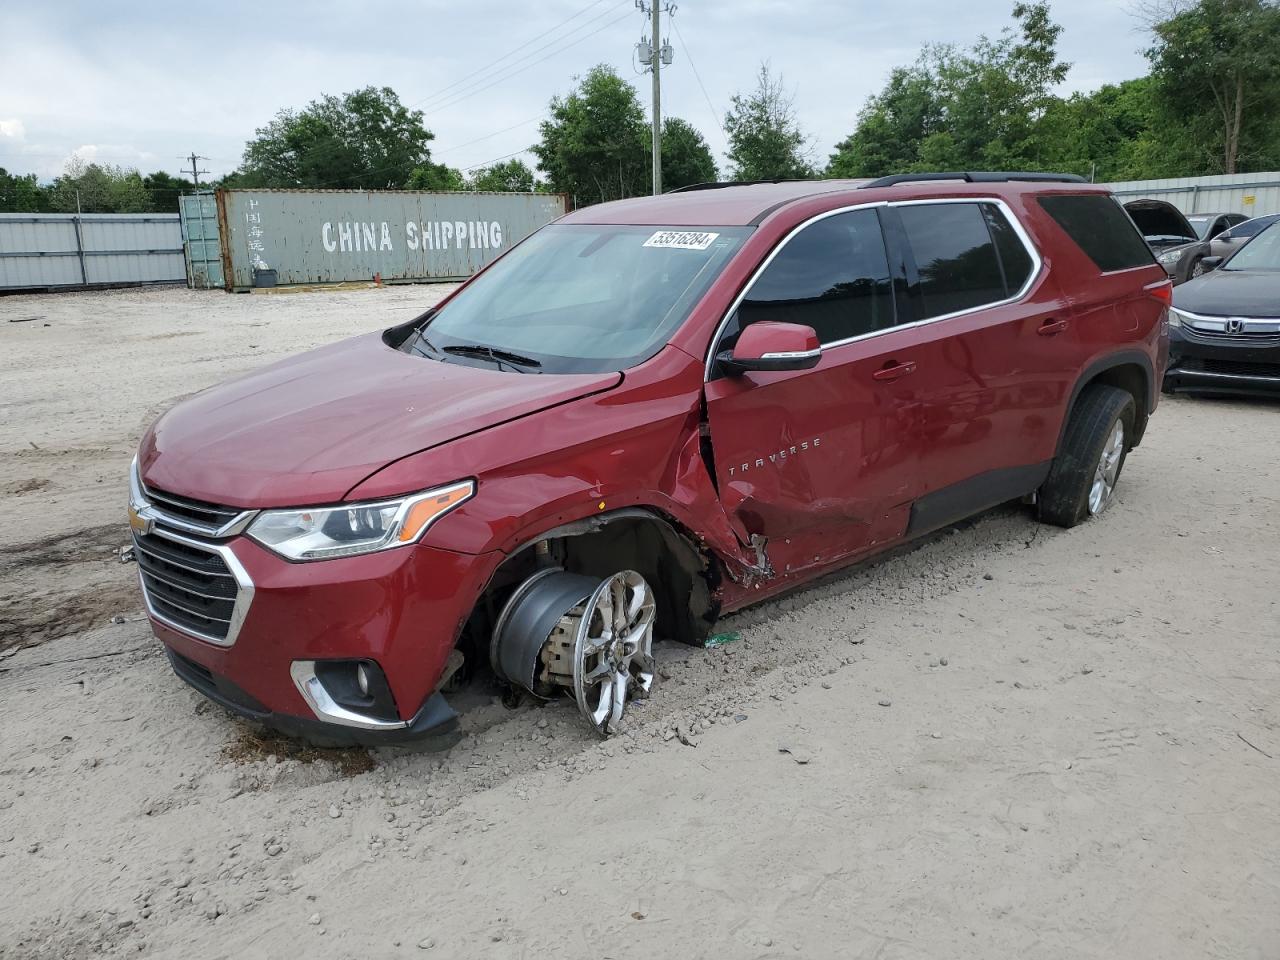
{"x":1162,"y":290}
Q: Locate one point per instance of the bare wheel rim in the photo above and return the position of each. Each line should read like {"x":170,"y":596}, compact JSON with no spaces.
{"x":613,"y":650}
{"x":1107,"y":470}
{"x":1197,"y":269}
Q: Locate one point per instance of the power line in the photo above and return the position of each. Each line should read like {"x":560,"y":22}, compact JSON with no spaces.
{"x":477,"y":166}
{"x":453,"y":102}
{"x":502,"y":60}
{"x":697,"y":76}
{"x":487,"y":136}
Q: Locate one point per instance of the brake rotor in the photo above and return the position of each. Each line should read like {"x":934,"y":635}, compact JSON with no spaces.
{"x":613,"y":650}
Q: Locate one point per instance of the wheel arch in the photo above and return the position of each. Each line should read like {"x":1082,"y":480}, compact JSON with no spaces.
{"x":684,"y":573}
{"x":1131,"y":371}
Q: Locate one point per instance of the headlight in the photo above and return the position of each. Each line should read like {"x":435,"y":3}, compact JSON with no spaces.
{"x":318,"y":533}
{"x":1176,"y":317}
{"x":1170,"y":258}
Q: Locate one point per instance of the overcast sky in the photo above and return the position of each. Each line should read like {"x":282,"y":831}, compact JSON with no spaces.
{"x":142,"y":83}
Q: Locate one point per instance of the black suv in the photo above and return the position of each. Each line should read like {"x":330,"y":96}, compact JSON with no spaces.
{"x":1225,"y":325}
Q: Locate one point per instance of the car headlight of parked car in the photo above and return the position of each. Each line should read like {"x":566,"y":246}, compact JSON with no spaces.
{"x":1169,"y":259}
{"x":1176,"y":317}
{"x":319,"y":533}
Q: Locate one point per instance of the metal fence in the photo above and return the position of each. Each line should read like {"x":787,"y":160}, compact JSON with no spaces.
{"x":328,"y":236}
{"x":42,"y":251}
{"x":1253,"y":194}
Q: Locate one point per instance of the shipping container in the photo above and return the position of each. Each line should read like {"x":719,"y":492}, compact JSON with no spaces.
{"x":330,"y":236}
{"x":51,"y":250}
{"x":200,"y":242}
{"x":1253,"y":194}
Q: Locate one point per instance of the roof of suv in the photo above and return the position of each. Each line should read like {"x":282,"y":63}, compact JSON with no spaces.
{"x":749,"y":203}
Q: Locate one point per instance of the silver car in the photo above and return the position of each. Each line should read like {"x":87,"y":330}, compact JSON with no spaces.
{"x":1229,"y":241}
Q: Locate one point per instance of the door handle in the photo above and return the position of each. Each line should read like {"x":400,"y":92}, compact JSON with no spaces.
{"x":894,"y":371}
{"x":1051,"y":328}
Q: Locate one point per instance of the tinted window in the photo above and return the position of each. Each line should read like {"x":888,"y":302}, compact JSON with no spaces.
{"x":1100,"y":228}
{"x":832,"y":276}
{"x":1014,"y":259}
{"x":1251,"y":228}
{"x":955,"y":257}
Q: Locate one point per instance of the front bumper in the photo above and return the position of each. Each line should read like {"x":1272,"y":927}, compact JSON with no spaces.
{"x":1222,"y":364}
{"x":401,"y":608}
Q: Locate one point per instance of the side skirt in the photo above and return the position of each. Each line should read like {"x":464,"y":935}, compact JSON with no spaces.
{"x":964,"y":499}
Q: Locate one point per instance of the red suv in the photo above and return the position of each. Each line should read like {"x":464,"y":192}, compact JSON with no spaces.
{"x":648,"y":414}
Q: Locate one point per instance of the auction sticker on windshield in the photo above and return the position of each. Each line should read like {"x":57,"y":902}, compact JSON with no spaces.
{"x":681,"y":240}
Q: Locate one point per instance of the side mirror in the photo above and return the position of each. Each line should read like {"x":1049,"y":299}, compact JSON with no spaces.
{"x":768,"y":345}
{"x":1211,"y":263}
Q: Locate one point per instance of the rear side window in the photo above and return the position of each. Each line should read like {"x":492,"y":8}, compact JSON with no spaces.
{"x":1100,"y":228}
{"x":1014,"y":259}
{"x":832,"y":276}
{"x":956,"y":257}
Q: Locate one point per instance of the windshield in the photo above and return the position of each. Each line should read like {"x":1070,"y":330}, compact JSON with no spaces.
{"x":1200,"y":225}
{"x":580,"y":298}
{"x":1260,"y":253}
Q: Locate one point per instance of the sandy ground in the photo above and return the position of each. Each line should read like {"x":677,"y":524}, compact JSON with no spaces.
{"x":1012,"y":741}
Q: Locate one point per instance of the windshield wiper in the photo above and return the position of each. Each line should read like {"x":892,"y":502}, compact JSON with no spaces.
{"x":424,"y":347}
{"x":514,"y":360}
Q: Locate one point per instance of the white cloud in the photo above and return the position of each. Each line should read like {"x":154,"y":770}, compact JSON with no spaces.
{"x":13,"y":129}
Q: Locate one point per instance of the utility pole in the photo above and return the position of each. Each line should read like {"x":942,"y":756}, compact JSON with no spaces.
{"x":195,"y":158}
{"x":654,"y":55}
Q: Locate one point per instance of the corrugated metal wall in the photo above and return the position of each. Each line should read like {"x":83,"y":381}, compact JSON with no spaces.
{"x":327,"y":236}
{"x":44,"y":250}
{"x":1253,"y":194}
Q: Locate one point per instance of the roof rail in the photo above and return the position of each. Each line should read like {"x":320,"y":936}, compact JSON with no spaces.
{"x":720,"y":184}
{"x":976,"y":176}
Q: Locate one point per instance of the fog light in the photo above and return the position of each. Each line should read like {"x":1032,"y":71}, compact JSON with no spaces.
{"x":358,"y":685}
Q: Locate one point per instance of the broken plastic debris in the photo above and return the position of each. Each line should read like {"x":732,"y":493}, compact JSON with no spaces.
{"x":720,"y":639}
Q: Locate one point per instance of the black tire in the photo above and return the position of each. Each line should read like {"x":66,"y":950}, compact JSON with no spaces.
{"x":1064,"y":498}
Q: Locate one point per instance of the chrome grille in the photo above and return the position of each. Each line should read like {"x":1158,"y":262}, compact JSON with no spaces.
{"x":207,"y":514}
{"x":194,"y":587}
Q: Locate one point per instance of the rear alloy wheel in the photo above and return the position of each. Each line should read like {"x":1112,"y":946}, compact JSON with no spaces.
{"x":1107,"y":471}
{"x":1082,"y":481}
{"x":613,"y":650}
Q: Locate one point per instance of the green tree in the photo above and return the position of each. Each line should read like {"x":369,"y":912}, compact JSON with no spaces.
{"x":98,"y":188}
{"x":891,"y":126}
{"x":686,"y":158}
{"x":1216,"y":69}
{"x":21,"y":193}
{"x":163,"y":189}
{"x":437,"y":178}
{"x":362,"y":140}
{"x":594,"y":144}
{"x":975,"y":108}
{"x":506,"y":176}
{"x":765,"y":139}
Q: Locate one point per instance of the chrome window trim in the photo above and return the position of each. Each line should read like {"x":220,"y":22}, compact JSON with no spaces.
{"x":326,"y":708}
{"x":244,"y":589}
{"x":1037,"y":267}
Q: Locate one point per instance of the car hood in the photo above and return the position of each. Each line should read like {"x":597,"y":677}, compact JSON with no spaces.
{"x":308,"y":429}
{"x":1231,"y":293}
{"x":1158,"y":218}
